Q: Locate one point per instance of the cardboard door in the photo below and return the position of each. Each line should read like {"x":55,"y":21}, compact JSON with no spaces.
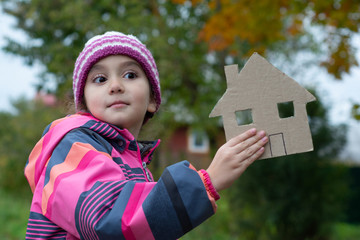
{"x":277,"y":145}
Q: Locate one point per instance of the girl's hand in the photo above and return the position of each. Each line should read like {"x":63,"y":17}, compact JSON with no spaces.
{"x":232,"y":158}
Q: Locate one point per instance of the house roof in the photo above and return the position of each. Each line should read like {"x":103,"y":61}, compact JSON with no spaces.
{"x":258,"y":83}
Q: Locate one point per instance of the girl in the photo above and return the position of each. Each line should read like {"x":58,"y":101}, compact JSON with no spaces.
{"x":88,"y":173}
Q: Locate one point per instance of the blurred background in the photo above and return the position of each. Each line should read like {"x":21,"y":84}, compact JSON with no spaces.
{"x":312,"y":195}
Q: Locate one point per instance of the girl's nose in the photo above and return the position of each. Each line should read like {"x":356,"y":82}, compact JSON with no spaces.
{"x":116,"y":86}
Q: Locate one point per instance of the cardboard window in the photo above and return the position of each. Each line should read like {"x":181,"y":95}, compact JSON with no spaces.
{"x":286,"y":109}
{"x":244,"y":117}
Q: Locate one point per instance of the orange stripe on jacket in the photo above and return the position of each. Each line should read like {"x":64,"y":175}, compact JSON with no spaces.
{"x":30,"y":168}
{"x":72,"y":160}
{"x":33,"y":157}
{"x":56,"y":122}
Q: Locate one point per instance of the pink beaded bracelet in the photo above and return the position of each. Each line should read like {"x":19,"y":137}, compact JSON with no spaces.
{"x":209,"y":186}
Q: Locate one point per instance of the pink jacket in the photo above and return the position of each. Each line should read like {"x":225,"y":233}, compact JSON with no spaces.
{"x":90,"y":181}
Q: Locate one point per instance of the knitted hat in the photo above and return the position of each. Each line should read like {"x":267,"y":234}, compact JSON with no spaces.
{"x":114,"y":43}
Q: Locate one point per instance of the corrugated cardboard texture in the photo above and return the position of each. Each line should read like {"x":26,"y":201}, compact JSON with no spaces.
{"x":259,"y":88}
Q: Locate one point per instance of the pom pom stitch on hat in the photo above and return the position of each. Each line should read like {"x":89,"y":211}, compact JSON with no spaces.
{"x":114,"y":43}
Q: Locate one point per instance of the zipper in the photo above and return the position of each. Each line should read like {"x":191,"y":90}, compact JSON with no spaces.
{"x":146,"y":171}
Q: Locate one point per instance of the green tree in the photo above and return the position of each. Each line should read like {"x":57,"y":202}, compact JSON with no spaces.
{"x":355,"y":111}
{"x":236,"y":29}
{"x":261,"y":25}
{"x":19,"y":133}
{"x":57,"y":31}
{"x":294,"y":197}
{"x":191,"y":40}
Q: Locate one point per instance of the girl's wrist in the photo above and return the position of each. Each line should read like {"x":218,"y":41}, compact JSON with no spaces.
{"x":208,"y":185}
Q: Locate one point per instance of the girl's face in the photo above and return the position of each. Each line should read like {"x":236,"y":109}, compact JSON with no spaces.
{"x":117,"y":91}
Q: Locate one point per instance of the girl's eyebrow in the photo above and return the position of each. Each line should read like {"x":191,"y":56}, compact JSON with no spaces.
{"x":130,"y":63}
{"x":96,"y":67}
{"x":124,"y":64}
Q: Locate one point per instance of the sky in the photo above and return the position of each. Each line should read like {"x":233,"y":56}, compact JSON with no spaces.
{"x":18,"y":80}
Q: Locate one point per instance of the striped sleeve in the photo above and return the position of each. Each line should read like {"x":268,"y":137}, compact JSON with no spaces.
{"x":168,"y":209}
{"x":178,"y":203}
{"x":39,"y":227}
{"x":87,"y":194}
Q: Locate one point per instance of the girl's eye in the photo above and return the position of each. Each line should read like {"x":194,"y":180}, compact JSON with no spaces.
{"x":130,"y":75}
{"x":99,"y":79}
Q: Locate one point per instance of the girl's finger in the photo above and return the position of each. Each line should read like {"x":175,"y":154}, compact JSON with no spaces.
{"x":253,"y":149}
{"x":246,"y":144}
{"x":254,"y":156}
{"x":242,"y":137}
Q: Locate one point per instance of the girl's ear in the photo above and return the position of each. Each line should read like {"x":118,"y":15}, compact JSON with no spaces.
{"x":152,"y":105}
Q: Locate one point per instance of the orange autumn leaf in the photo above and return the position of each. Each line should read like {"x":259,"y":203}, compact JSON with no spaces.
{"x":262,"y":23}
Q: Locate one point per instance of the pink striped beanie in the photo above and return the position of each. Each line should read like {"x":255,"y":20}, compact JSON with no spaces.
{"x":114,"y":43}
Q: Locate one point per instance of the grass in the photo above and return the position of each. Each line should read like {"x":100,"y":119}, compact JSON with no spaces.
{"x":216,"y":227}
{"x":344,"y":231}
{"x":14,"y":213}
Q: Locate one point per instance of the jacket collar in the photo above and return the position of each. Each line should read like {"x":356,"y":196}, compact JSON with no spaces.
{"x":122,"y":137}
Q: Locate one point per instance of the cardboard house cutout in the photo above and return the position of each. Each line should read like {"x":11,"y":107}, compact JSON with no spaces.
{"x":260,"y":90}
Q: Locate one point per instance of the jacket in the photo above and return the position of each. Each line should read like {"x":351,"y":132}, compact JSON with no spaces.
{"x":90,"y":181}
